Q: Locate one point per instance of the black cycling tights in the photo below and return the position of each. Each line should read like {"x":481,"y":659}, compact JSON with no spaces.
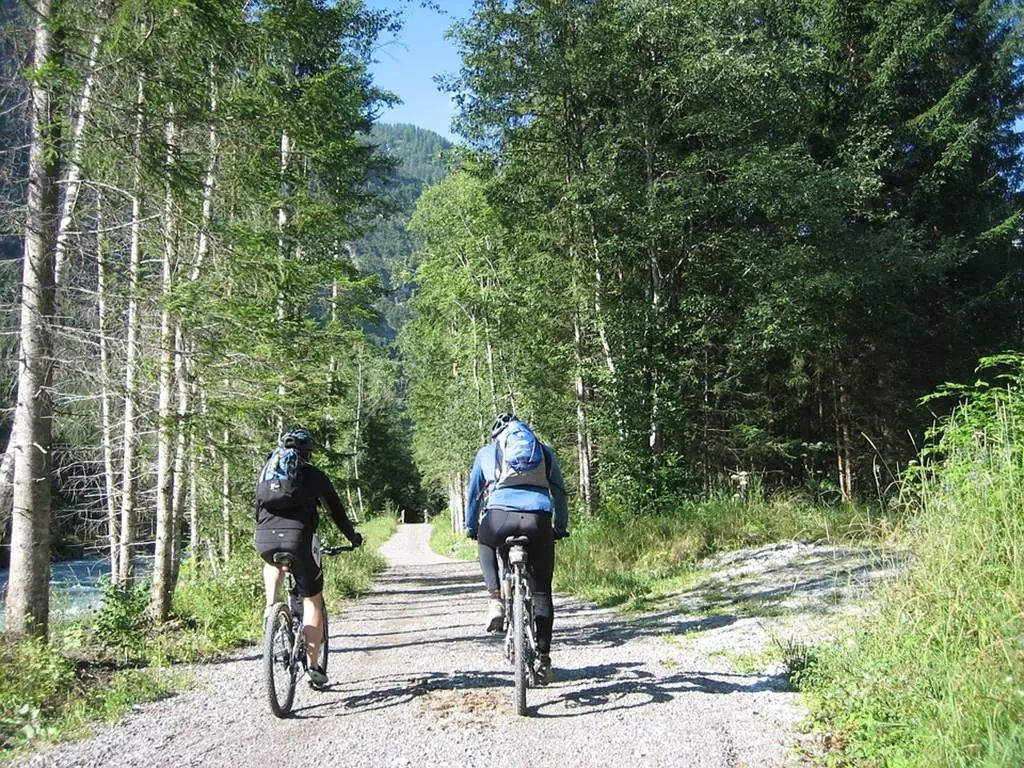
{"x":499,"y":524}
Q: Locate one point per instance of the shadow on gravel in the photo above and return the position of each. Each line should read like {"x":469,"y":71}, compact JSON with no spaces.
{"x":419,"y":642}
{"x":614,"y":632}
{"x":395,"y":691}
{"x":641,"y":689}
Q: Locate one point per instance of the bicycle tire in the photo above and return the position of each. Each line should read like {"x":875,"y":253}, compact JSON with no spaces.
{"x":519,"y":641}
{"x":279,"y":669}
{"x":321,"y":659}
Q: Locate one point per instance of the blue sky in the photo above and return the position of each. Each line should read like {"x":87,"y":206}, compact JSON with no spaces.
{"x":407,"y":62}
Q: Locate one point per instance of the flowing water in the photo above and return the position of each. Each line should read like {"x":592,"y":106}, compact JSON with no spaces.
{"x":75,"y":585}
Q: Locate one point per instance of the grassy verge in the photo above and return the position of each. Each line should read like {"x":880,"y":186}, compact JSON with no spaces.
{"x":448,"y":543}
{"x":97,"y":668}
{"x":938,"y":678}
{"x":620,"y":558}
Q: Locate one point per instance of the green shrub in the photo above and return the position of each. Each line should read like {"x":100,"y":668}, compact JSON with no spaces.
{"x":120,"y":623}
{"x":34,"y":684}
{"x":938,"y":678}
{"x":454,"y":544}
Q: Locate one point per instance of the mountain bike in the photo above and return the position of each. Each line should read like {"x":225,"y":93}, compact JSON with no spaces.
{"x":520,"y":638}
{"x":284,"y":642}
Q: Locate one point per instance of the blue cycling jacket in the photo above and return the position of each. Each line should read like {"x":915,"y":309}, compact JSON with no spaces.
{"x":481,"y":498}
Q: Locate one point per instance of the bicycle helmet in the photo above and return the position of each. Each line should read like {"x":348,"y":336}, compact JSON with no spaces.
{"x":500,"y":422}
{"x":298,"y":438}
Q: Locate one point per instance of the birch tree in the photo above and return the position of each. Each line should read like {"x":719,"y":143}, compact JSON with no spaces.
{"x":28,"y":591}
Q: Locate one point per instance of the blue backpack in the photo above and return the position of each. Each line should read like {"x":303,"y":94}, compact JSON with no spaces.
{"x":279,"y":486}
{"x":520,"y":458}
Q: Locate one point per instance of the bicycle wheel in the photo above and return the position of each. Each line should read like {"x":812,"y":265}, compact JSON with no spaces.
{"x":279,"y":671}
{"x":519,"y":671}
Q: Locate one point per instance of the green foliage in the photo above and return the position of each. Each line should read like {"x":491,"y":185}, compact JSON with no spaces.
{"x":128,"y":688}
{"x":34,"y":684}
{"x":934,"y":680}
{"x":351,"y":574}
{"x":726,"y":231}
{"x":453,"y":544}
{"x":46,"y":696}
{"x":217,"y":604}
{"x":120,"y":623}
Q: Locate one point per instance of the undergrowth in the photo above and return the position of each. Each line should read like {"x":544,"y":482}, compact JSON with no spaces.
{"x":449,"y":543}
{"x":937,"y":679}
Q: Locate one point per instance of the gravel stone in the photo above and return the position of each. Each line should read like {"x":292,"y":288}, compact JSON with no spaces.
{"x":416,"y":682}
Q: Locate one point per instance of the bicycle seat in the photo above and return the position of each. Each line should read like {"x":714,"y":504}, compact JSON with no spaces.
{"x":513,"y":541}
{"x":284,"y":558}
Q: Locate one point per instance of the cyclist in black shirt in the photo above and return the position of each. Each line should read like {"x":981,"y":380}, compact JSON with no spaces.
{"x":294,"y":531}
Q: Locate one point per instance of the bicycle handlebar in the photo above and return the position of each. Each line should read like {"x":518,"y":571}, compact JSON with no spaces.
{"x":337,"y":550}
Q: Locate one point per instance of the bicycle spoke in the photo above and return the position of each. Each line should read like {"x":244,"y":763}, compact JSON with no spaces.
{"x":278,"y":668}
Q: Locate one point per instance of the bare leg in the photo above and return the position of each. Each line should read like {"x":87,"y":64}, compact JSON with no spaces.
{"x":272,"y":578}
{"x":313,"y":621}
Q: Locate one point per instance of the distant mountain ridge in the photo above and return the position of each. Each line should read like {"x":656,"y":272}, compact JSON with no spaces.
{"x":386,"y":248}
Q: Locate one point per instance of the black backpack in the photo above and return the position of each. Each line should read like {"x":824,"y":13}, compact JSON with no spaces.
{"x":279,"y":486}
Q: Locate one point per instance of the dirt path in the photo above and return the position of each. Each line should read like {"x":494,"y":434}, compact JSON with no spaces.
{"x":414,"y":681}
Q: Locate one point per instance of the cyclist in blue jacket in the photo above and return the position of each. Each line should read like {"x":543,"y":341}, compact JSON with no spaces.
{"x":504,"y":502}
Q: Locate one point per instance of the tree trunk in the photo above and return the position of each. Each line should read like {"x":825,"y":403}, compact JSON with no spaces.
{"x":583,"y":444}
{"x":105,"y":416}
{"x":225,"y":500}
{"x":73,"y":180}
{"x":126,"y":556}
{"x":357,"y":436}
{"x":457,"y":501}
{"x":193,"y":509}
{"x":180,"y":451}
{"x":28,"y":589}
{"x":72,"y":186}
{"x":163,"y":587}
{"x":844,"y":451}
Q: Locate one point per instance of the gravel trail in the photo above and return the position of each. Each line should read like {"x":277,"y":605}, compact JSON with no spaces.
{"x":415,"y":682}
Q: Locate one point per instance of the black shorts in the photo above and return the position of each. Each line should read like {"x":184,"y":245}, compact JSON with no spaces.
{"x":301,"y":542}
{"x":498,"y":524}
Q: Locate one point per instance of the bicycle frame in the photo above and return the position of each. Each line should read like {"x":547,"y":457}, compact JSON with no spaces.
{"x":287,"y":623}
{"x":516,"y":584}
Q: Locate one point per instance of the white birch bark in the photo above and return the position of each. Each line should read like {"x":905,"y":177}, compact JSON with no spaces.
{"x":106,"y":431}
{"x":282,"y":239}
{"x":73,"y":180}
{"x":28,"y":588}
{"x":225,"y":500}
{"x":163,"y":587}
{"x":72,"y":185}
{"x":180,"y":450}
{"x":583,"y":445}
{"x":357,"y":436}
{"x":126,"y":554}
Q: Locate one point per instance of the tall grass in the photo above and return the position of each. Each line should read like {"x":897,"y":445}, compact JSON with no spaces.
{"x":938,"y":678}
{"x":449,"y":543}
{"x":620,"y":557}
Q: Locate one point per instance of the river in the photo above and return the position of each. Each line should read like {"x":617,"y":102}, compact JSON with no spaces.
{"x":75,"y":585}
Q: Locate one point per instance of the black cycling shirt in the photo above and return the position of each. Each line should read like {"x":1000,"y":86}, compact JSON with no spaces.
{"x":321,"y":491}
